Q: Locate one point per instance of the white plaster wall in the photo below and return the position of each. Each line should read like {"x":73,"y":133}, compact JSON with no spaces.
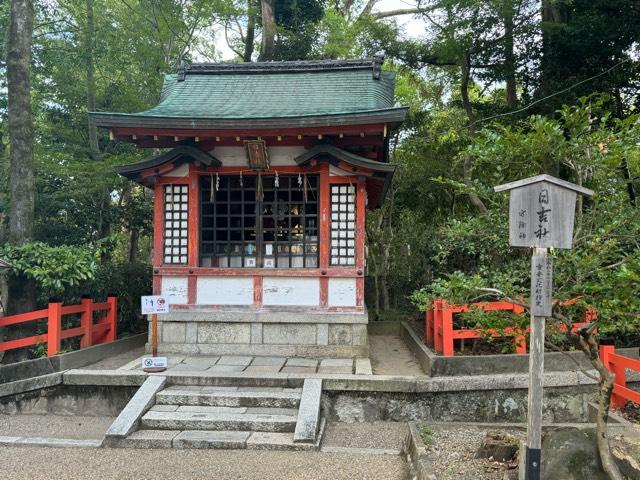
{"x":342,"y":292}
{"x":237,"y":156}
{"x":291,"y":291}
{"x":225,"y":291}
{"x":175,"y":290}
{"x":181,"y":171}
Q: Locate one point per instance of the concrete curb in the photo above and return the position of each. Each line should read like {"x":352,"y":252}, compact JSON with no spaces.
{"x":309,"y":411}
{"x":29,"y":384}
{"x":65,"y":361}
{"x":129,"y":418}
{"x":506,"y":364}
{"x":48,"y":442}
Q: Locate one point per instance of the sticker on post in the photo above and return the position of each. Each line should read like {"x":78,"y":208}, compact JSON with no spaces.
{"x":151,"y":304}
{"x":154,"y":362}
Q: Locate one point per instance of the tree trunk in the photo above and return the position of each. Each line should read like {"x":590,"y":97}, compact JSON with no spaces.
{"x":268,"y":30}
{"x":466,"y":104}
{"x":20,"y":120}
{"x":21,"y":296}
{"x":588,"y":345}
{"x":509,"y":57}
{"x":134,"y":235}
{"x":251,"y":31}
{"x":91,"y":82}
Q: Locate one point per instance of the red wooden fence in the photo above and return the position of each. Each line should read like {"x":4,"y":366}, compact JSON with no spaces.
{"x":90,"y":331}
{"x":440,"y":333}
{"x":619,"y":364}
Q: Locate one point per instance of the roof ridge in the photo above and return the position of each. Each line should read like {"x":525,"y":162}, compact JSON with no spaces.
{"x":374,"y":63}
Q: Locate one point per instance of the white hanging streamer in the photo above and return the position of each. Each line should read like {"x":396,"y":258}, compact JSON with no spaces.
{"x":217,"y":182}
{"x":299,"y":180}
{"x":276,"y":181}
{"x":241,"y":184}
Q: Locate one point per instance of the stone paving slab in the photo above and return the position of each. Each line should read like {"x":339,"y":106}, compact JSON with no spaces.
{"x":226,"y":368}
{"x":345,"y":370}
{"x":276,"y":361}
{"x":234,"y":360}
{"x":302,"y":362}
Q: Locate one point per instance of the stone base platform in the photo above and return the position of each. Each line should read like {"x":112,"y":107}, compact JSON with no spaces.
{"x":267,"y":333}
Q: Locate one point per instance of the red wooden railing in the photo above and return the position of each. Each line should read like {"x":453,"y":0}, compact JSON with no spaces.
{"x":90,"y":331}
{"x":618,"y":364}
{"x":440,"y":332}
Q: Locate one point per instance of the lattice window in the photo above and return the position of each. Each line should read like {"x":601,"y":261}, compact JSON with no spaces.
{"x":343,"y":225}
{"x":176,"y":224}
{"x":259,"y":221}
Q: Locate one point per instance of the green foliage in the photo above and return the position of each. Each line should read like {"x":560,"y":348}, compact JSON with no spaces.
{"x":603,"y":268}
{"x":53,"y":268}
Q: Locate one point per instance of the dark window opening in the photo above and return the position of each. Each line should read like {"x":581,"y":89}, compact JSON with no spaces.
{"x":259,"y":221}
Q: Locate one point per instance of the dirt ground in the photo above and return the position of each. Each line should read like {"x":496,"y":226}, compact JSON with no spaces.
{"x":390,"y":356}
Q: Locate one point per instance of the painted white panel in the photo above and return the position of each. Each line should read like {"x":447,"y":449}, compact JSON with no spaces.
{"x":290,"y":291}
{"x":236,"y":156}
{"x":181,"y":171}
{"x":175,"y":290}
{"x":225,"y":291}
{"x":342,"y":292}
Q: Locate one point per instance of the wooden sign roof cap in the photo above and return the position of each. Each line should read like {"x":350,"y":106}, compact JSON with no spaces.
{"x":543,"y":178}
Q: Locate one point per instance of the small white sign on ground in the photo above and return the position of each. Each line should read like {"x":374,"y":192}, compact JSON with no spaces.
{"x":151,"y":304}
{"x":154,"y":362}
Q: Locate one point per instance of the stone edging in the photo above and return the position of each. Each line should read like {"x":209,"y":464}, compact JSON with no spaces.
{"x":417,"y":456}
{"x":130,"y":416}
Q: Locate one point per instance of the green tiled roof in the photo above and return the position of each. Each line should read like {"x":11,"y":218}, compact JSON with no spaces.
{"x":273,"y":90}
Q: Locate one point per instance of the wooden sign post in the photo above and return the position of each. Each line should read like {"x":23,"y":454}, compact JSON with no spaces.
{"x":541,"y":216}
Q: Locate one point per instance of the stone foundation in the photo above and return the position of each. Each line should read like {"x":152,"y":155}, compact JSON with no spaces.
{"x":302,"y":334}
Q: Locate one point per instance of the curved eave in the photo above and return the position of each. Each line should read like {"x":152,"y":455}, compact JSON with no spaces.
{"x":110,"y":120}
{"x":379,"y":174}
{"x":180,"y":154}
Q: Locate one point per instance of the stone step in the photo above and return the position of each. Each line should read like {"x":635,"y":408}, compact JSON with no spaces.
{"x":218,"y":421}
{"x":293,"y":412}
{"x":219,"y":439}
{"x":285,"y":398}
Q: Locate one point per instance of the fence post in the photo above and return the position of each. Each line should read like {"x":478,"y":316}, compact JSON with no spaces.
{"x":428,"y":326}
{"x":112,"y":318}
{"x":607,"y":348}
{"x":447,"y":331}
{"x":54,"y":326}
{"x":86,"y":321}
{"x":437,"y":325}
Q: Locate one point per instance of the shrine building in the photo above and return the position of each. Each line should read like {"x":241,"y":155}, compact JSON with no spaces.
{"x":260,"y":195}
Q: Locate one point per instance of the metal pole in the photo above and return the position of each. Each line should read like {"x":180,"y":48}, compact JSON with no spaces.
{"x":536,"y":383}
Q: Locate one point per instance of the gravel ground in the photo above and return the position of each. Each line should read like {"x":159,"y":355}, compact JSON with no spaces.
{"x":54,"y":426}
{"x":127,"y":464}
{"x":386,"y":435}
{"x":453,"y":450}
{"x":390,"y":356}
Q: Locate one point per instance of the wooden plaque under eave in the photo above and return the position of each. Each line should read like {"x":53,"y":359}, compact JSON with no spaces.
{"x":257,"y":158}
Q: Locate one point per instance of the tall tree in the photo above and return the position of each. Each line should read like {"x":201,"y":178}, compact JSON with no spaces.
{"x":20,"y":122}
{"x":267,"y":48}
